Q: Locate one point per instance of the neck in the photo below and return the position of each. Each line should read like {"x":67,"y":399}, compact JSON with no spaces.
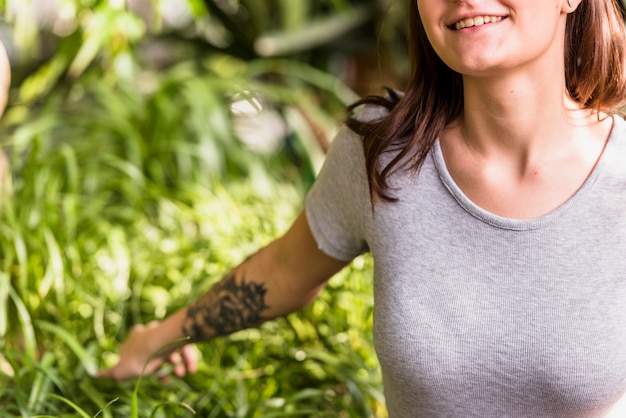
{"x":518,"y":113}
{"x":520,"y":150}
{"x":523,"y":121}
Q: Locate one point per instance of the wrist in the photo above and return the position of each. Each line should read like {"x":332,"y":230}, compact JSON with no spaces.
{"x":167,"y":336}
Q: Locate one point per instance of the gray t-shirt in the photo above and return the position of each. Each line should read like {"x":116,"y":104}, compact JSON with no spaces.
{"x":477,"y":315}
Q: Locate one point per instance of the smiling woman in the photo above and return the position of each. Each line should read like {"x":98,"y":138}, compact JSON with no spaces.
{"x":491,"y":195}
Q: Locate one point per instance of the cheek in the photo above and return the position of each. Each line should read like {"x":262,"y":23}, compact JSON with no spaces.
{"x":434,"y":34}
{"x":428,"y":12}
{"x":436,"y":38}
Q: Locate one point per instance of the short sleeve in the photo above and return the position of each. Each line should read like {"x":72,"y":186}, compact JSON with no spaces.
{"x":338,"y":203}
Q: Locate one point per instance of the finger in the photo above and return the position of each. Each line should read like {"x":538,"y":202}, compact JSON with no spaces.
{"x":121,"y":371}
{"x":177,"y":361}
{"x":105,"y":373}
{"x":190,"y":358}
{"x":110,"y":373}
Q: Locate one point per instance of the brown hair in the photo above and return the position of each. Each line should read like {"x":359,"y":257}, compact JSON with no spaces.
{"x":595,"y":45}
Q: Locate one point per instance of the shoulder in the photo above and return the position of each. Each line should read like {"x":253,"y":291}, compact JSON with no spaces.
{"x":369,"y":112}
{"x":374,"y":108}
{"x":346,"y":152}
{"x":611,"y":163}
{"x":619,"y":127}
{"x":617,"y":137}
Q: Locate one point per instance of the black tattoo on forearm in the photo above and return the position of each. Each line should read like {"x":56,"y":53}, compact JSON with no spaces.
{"x":230,"y":306}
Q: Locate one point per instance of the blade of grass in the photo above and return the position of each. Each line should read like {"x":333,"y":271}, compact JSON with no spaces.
{"x":4,"y":306}
{"x":22,"y":259}
{"x":75,"y":407}
{"x":182,"y":405}
{"x":55,"y":265}
{"x":88,"y":363}
{"x":28,"y":332}
{"x":104,"y":409}
{"x":134,"y":401}
{"x":87,"y":388}
{"x":41,"y":385}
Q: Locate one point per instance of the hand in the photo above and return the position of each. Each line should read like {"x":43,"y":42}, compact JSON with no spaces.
{"x":135,"y":353}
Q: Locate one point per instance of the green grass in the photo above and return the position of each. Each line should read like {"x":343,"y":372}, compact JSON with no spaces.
{"x":128,"y":203}
{"x":317,"y":363}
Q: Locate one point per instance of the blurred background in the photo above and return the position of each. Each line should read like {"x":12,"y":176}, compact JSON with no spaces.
{"x":154,"y":144}
{"x":271,"y":60}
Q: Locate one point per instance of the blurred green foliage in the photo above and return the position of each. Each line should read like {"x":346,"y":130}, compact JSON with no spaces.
{"x":148,"y":156}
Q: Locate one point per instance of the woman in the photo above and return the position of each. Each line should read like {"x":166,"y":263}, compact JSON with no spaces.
{"x":491,"y":196}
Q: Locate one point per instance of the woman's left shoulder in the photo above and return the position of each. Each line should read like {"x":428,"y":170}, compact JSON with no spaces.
{"x":613,"y":158}
{"x":617,"y":133}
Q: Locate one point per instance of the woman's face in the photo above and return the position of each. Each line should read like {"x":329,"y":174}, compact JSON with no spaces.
{"x":484,"y":37}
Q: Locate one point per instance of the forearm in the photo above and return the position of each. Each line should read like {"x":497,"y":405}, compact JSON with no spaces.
{"x":254,"y":292}
{"x":232,"y":304}
{"x":280,"y":279}
{"x":283,"y":277}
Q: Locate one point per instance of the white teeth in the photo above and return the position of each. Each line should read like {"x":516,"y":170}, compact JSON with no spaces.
{"x":476,"y":21}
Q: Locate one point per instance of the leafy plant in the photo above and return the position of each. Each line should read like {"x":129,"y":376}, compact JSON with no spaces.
{"x":137,"y":185}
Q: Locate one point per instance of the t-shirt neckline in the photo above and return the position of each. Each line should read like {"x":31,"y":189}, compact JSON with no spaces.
{"x":522,"y":224}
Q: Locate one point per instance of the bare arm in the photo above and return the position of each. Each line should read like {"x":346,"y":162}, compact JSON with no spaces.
{"x":282,"y":278}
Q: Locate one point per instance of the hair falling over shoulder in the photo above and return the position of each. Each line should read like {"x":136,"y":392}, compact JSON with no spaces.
{"x":595,"y":45}
{"x":595,"y":55}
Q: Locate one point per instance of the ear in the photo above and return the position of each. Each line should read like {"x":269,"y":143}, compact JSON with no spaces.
{"x":569,"y":6}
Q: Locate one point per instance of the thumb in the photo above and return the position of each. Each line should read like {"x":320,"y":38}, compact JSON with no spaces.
{"x":109,"y":373}
{"x":105,"y":374}
{"x":119,"y":372}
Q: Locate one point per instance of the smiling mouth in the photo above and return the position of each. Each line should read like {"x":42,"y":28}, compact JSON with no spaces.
{"x":470,"y":22}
